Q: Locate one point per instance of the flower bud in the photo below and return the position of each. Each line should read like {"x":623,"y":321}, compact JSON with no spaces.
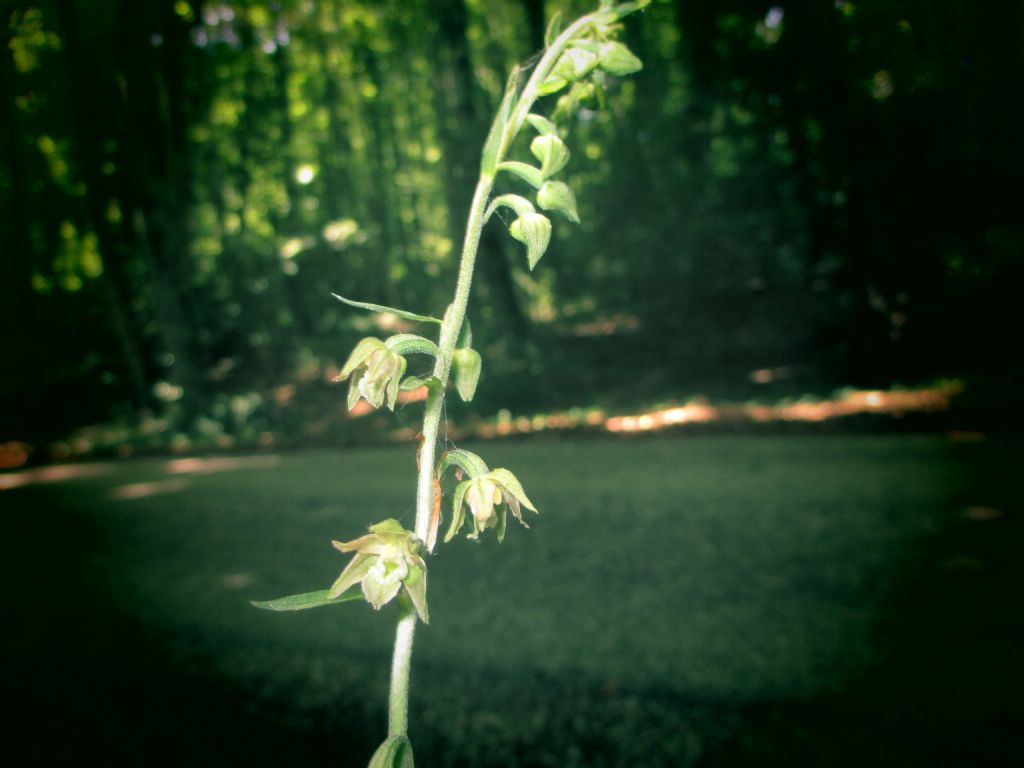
{"x":533,"y":230}
{"x":552,"y":153}
{"x":556,"y":196}
{"x":617,"y":59}
{"x":575,"y":64}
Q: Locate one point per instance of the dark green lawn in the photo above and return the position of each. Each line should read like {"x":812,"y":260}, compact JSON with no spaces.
{"x":712,"y":601}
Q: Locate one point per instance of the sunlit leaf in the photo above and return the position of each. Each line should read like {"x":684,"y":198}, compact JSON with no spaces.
{"x":388,"y":310}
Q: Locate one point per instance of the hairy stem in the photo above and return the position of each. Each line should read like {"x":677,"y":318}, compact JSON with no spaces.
{"x":398,"y":701}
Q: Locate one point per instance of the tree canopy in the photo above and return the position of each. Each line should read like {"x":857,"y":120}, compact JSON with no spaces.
{"x":822,"y":187}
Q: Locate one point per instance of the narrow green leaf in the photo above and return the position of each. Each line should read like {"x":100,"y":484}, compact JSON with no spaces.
{"x":467,"y":364}
{"x":388,"y":310}
{"x":496,"y":136}
{"x":396,"y":752}
{"x":306,"y":600}
{"x":554,"y":29}
{"x":623,"y":10}
{"x":524,"y":171}
{"x":411,"y":344}
{"x":465,"y":460}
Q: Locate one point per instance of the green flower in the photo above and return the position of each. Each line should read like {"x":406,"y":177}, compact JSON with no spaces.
{"x":376,"y":368}
{"x":489,"y":497}
{"x":387,"y":561}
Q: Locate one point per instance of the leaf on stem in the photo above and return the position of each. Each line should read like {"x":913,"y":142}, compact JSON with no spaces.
{"x":396,"y":752}
{"x":306,"y":600}
{"x":388,"y":310}
{"x":496,"y":136}
{"x":554,"y":29}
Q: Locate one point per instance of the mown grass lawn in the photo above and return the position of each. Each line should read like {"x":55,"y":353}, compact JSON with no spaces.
{"x":712,"y":601}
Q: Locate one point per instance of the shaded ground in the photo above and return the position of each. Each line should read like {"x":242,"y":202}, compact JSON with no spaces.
{"x":713,"y":601}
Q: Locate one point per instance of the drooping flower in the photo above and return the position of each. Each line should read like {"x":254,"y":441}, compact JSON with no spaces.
{"x":376,"y":368}
{"x":388,"y":559}
{"x":489,"y":496}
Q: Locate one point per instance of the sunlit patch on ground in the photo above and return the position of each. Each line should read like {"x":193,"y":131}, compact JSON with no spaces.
{"x":54,"y":474}
{"x":184,"y":466}
{"x":699,"y":410}
{"x":133,"y":491}
{"x":210,"y":464}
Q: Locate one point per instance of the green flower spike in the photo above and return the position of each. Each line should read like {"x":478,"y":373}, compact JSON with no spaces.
{"x":376,"y":368}
{"x":387,"y":560}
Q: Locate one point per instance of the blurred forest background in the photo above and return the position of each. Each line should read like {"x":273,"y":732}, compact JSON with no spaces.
{"x":823,"y":191}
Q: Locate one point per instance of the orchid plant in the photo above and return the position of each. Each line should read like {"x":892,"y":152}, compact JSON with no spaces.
{"x":389,"y":562}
